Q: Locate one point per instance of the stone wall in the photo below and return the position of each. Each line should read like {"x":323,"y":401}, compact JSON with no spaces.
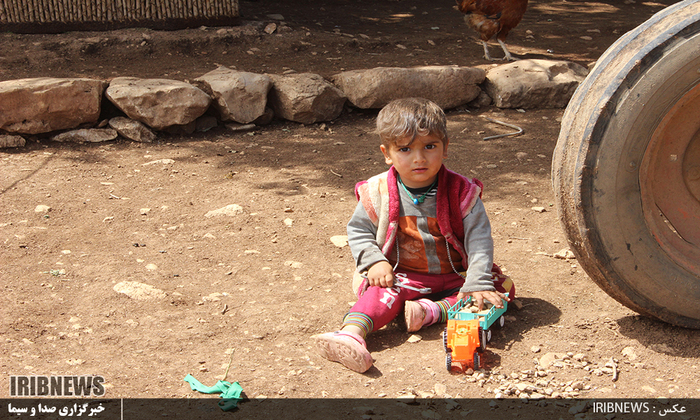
{"x":87,"y":110}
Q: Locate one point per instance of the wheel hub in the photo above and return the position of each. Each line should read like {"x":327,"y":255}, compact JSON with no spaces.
{"x":670,"y":181}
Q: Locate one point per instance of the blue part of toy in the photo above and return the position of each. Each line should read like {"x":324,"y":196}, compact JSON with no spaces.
{"x":485,"y":320}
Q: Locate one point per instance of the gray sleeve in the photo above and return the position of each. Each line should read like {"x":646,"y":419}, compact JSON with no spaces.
{"x":362,"y":239}
{"x":478,"y":244}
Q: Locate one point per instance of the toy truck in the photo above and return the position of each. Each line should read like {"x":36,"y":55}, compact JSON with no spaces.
{"x":467,"y":333}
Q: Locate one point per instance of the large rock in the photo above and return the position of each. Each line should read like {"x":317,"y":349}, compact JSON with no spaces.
{"x":448,"y":86}
{"x":305,"y":98}
{"x":534,"y":83}
{"x":238,"y":95}
{"x":158,"y":103}
{"x":42,"y":105}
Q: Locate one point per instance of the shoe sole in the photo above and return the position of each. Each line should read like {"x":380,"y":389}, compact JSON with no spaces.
{"x":351,"y":355}
{"x":414,"y":315}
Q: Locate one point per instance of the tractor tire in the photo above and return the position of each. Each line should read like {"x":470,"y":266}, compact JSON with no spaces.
{"x":626,"y":168}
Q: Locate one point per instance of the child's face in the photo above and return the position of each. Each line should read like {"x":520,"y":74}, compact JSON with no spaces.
{"x":417,"y":161}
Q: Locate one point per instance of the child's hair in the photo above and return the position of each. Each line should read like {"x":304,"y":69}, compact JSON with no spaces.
{"x":410,"y":117}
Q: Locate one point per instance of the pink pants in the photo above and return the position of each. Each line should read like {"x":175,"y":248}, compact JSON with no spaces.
{"x":383,"y":304}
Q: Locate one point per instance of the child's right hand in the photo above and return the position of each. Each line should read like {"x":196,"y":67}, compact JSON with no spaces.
{"x":381,"y":274}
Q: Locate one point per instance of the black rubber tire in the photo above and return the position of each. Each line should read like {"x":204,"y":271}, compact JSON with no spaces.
{"x":444,"y":340}
{"x":448,"y":362}
{"x":477,"y":361}
{"x":606,"y":130}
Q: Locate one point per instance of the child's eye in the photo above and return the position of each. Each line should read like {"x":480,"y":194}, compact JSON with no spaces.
{"x":430,"y":146}
{"x":404,"y":149}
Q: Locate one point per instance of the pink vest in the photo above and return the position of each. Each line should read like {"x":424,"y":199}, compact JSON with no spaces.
{"x":456,"y":196}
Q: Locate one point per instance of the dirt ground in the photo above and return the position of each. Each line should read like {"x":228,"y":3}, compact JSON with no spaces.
{"x":244,"y":293}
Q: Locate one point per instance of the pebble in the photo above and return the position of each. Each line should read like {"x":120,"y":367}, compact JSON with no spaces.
{"x":270,"y":28}
{"x":139,"y":291}
{"x":630,"y":353}
{"x":230,"y":210}
{"x":565,"y":254}
{"x":539,"y":209}
{"x":293,"y":264}
{"x":42,"y":208}
{"x":162,"y":161}
{"x":440,"y":389}
{"x":339,"y":240}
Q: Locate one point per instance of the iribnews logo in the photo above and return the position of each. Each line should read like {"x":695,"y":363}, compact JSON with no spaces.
{"x":57,"y":386}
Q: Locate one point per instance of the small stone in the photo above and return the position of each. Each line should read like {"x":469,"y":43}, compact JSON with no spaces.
{"x":535,"y":349}
{"x":144,"y":211}
{"x":630,"y":353}
{"x":565,"y":254}
{"x":7,"y":141}
{"x":293,"y":264}
{"x":161,"y":161}
{"x":139,"y":291}
{"x":414,"y":338}
{"x":240,"y":127}
{"x":539,"y":209}
{"x":90,"y":135}
{"x":440,"y":389}
{"x":339,"y":240}
{"x":213,"y":297}
{"x":270,"y":28}
{"x":288,"y":222}
{"x":230,"y":210}
{"x":550,"y":359}
{"x":42,"y":208}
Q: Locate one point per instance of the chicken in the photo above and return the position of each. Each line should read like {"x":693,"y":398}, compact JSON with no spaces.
{"x":493,"y":18}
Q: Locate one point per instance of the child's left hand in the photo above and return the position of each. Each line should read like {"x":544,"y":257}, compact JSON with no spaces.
{"x":479,"y":297}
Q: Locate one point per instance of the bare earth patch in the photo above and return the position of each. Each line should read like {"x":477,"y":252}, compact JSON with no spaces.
{"x":260,"y":281}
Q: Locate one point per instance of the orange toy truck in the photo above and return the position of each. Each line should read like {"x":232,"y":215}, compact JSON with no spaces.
{"x":467,"y":333}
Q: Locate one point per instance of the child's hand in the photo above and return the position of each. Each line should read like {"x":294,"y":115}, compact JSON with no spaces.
{"x":381,"y":274}
{"x":479,"y":297}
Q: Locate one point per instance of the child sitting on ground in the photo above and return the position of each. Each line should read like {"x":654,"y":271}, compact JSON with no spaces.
{"x":416,"y":229}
